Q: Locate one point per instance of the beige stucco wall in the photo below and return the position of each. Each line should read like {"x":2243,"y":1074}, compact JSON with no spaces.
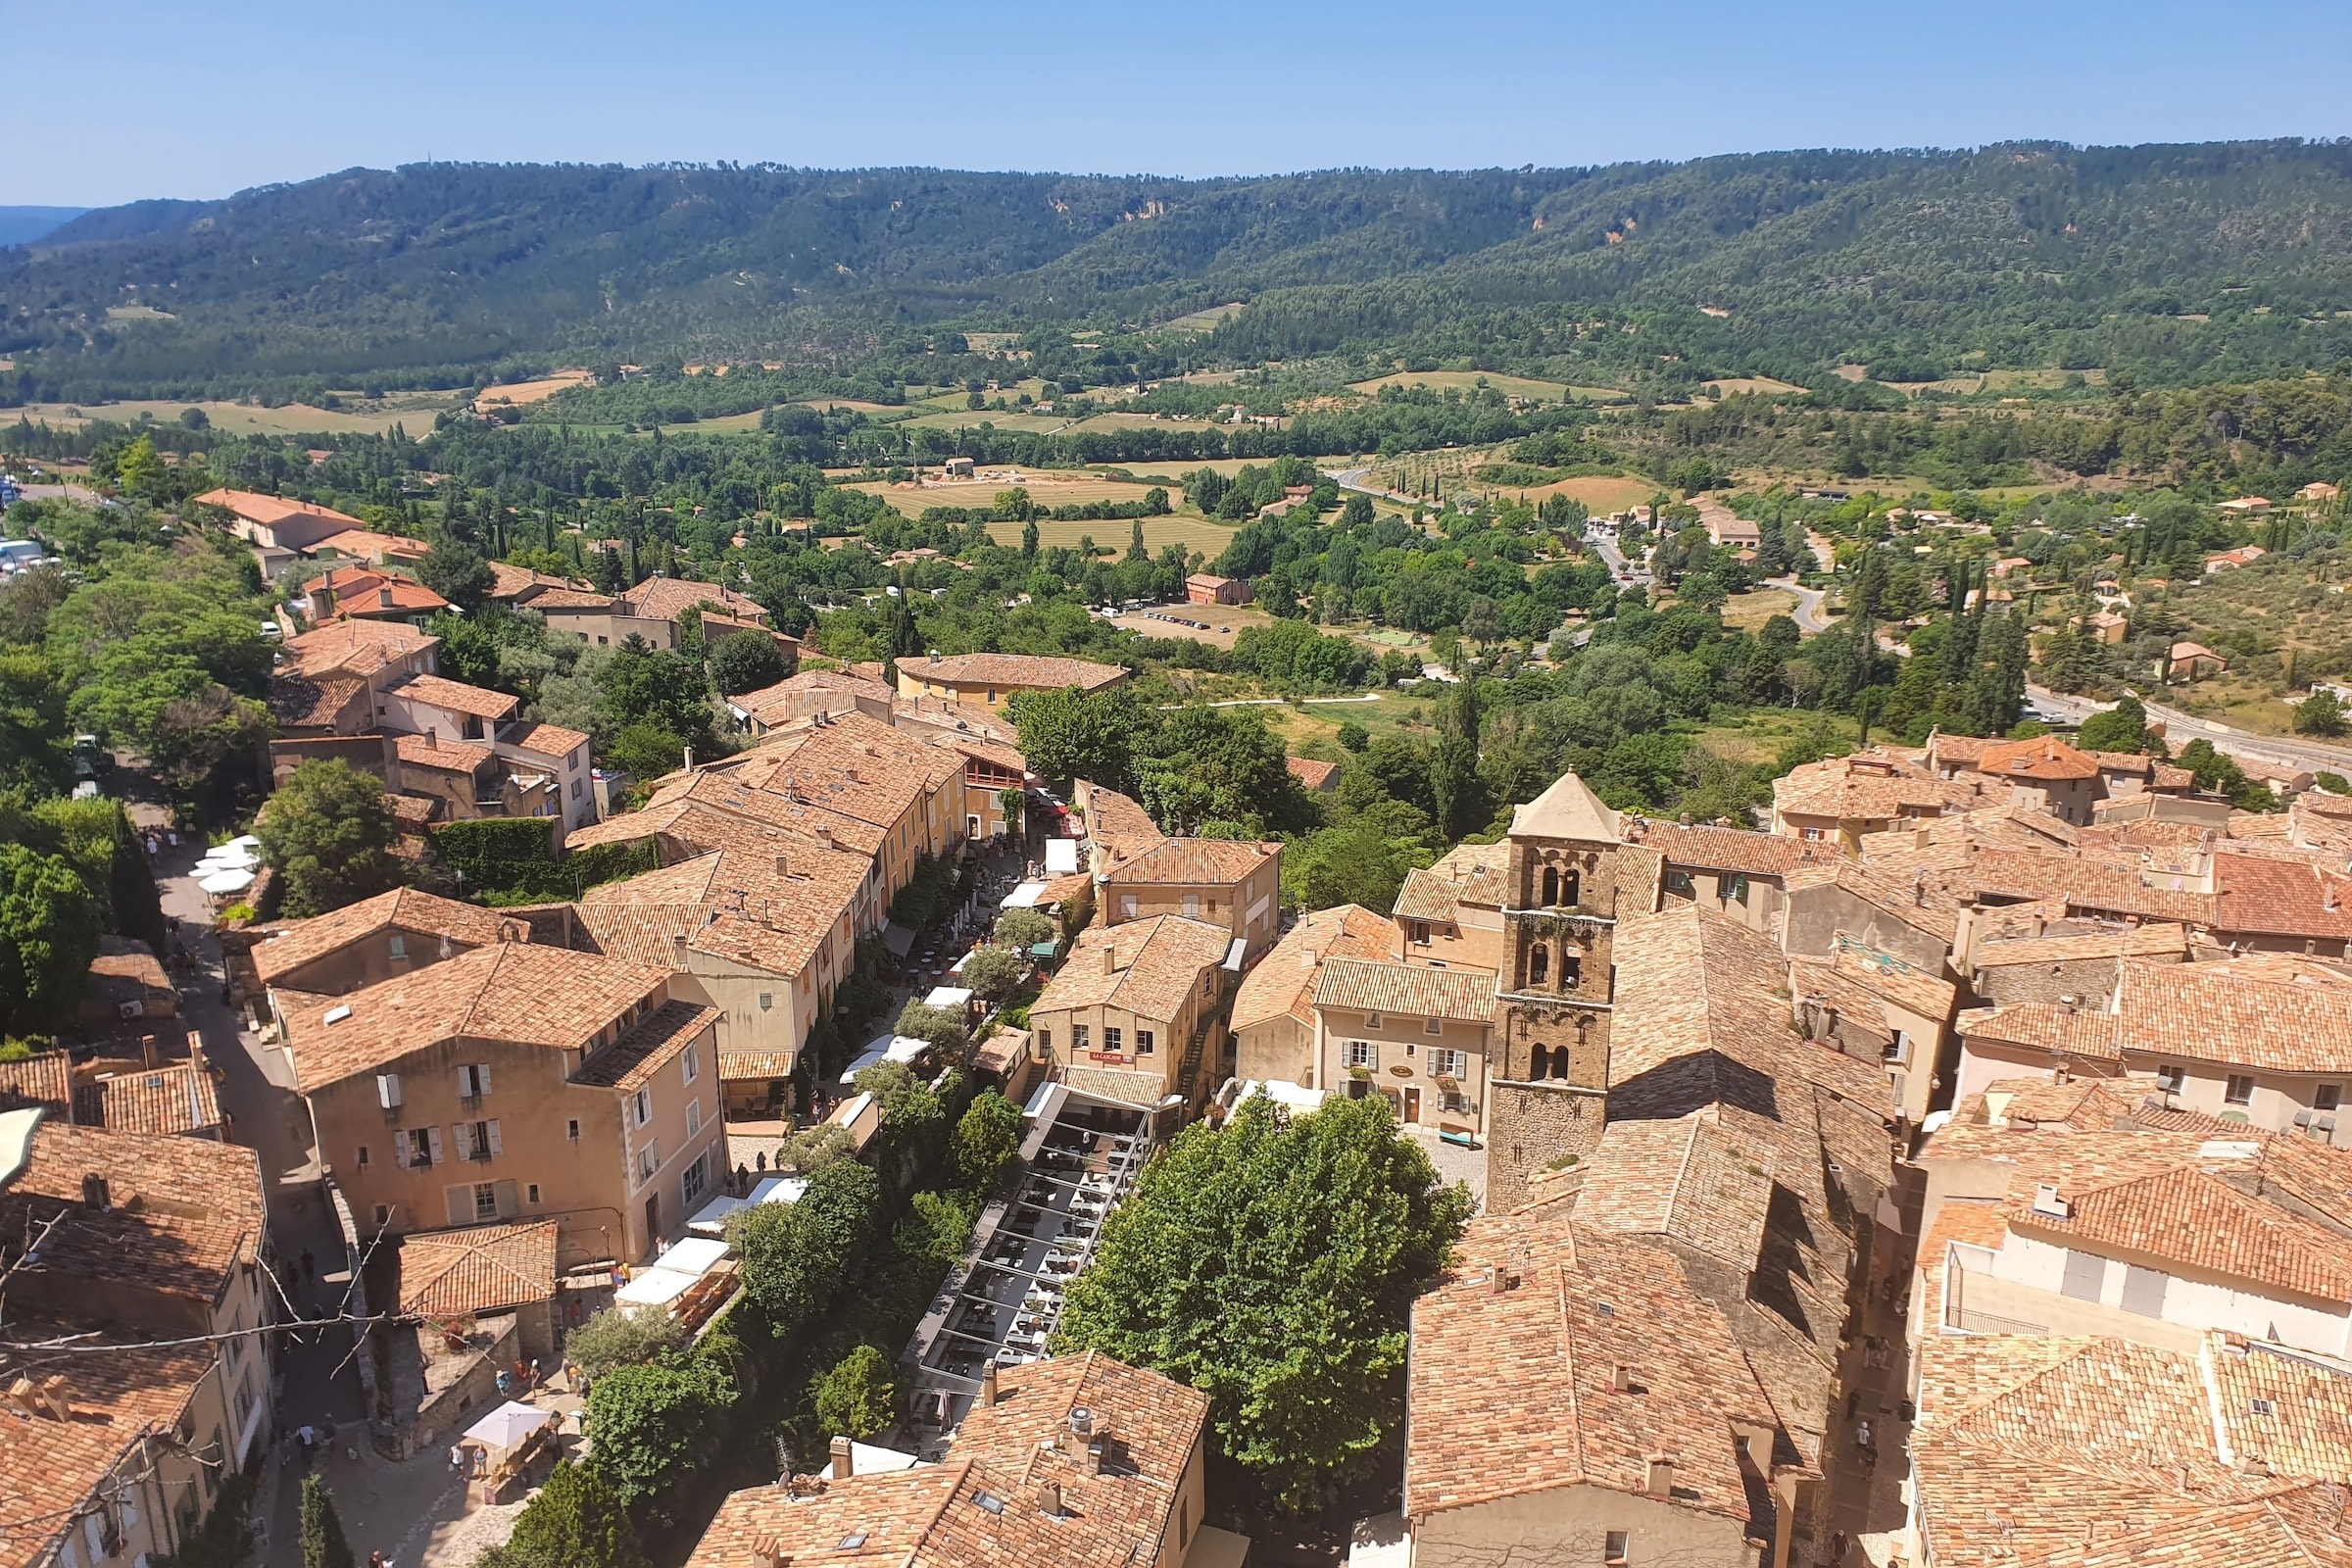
{"x":589,"y":1184}
{"x":1250,"y":909}
{"x":1404,"y":1043}
{"x":1568,"y":1527}
{"x":1474,"y":942}
{"x":1281,"y":1047}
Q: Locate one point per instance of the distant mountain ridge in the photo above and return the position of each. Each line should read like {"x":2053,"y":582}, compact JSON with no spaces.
{"x":22,"y":226}
{"x":1779,"y":262}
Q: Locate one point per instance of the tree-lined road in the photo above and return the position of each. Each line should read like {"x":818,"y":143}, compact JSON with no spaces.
{"x":2180,"y":728}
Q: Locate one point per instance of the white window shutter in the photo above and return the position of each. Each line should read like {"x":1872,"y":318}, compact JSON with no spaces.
{"x":508,"y":1208}
{"x":399,"y":1149}
{"x":432,"y":1138}
{"x":465,"y":1083}
{"x":460,"y":1206}
{"x":496,"y":1145}
{"x":481,"y":1074}
{"x":460,"y":1136}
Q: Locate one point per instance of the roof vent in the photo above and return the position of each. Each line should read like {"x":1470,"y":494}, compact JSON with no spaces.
{"x":1111,"y":959}
{"x":94,"y":1192}
{"x":1659,"y":1482}
{"x":1082,"y":1421}
{"x":1621,"y":1378}
{"x":2047,"y":1201}
{"x":1049,"y":1498}
{"x":336,"y":1015}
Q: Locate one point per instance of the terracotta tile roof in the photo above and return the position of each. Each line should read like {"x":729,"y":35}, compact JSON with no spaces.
{"x":1158,"y":960}
{"x":525,"y":993}
{"x":577,"y":599}
{"x":1725,"y":849}
{"x":1120,"y":824}
{"x":2280,"y":898}
{"x":980,"y":1509}
{"x":360,"y":592}
{"x":456,"y":696}
{"x":447,"y":756}
{"x":1479,"y":873}
{"x":515,"y":582}
{"x":186,"y":1212}
{"x":1693,"y":1180}
{"x":547,"y":740}
{"x":2307,"y":1430}
{"x":2045,"y":1026}
{"x":266,"y":509}
{"x":854,"y":763}
{"x":1023,"y":671}
{"x":1855,"y":969}
{"x":353,"y":647}
{"x":809,"y":682}
{"x":2129,"y":942}
{"x":668,"y":598}
{"x":1409,"y":991}
{"x":1205,"y":862}
{"x":2210,"y":1012}
{"x":2045,"y":757}
{"x":747,"y":1065}
{"x":1867,"y":787}
{"x":1512,"y":1392}
{"x":481,"y":1268}
{"x":183,"y":1097}
{"x":48,"y":1468}
{"x":1920,"y":902}
{"x":1282,"y":984}
{"x":302,"y":701}
{"x":2191,"y":1216}
{"x":44,"y":1078}
{"x":731,"y":905}
{"x":366,"y":542}
{"x":647,"y":1047}
{"x":2085,"y":883}
{"x":303,"y":941}
{"x":1426,"y":895}
{"x":1311,"y":772}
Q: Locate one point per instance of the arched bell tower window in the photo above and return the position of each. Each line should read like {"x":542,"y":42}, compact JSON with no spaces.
{"x":1551,"y":886}
{"x":1541,"y":1063}
{"x":1539,"y":964}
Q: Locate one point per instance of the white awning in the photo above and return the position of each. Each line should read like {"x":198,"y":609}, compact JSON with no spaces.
{"x":221,"y":882}
{"x":1234,"y":953}
{"x":507,"y":1426}
{"x":712,"y":1218}
{"x":886,"y":1048}
{"x":949,"y":996}
{"x":1061,"y":857}
{"x":655,"y":1288}
{"x":1024,"y":897}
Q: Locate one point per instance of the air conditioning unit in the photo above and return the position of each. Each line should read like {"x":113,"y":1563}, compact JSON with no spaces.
{"x":131,"y":1010}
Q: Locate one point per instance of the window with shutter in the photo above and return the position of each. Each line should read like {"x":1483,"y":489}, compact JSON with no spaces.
{"x":2144,"y":1290}
{"x":399,"y":1149}
{"x":460,"y":1205}
{"x":2086,"y":1273}
{"x":694,"y":1117}
{"x":497,"y":1144}
{"x":461,"y":1136}
{"x":432,"y":1140}
{"x":508,"y":1207}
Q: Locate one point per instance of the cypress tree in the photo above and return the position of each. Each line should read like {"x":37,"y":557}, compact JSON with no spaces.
{"x":322,"y":1532}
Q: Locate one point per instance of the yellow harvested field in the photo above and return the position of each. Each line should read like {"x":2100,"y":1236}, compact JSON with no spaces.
{"x":1190,"y":531}
{"x":855,"y":405}
{"x":519,"y":393}
{"x":1727,"y":385}
{"x":416,"y":411}
{"x":1599,"y":493}
{"x":1750,"y":611}
{"x":1510,"y":386}
{"x":1204,"y":320}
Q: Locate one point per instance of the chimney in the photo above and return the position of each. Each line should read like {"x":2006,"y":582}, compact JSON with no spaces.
{"x":783,"y":868}
{"x":384,"y":597}
{"x":1660,"y":1480}
{"x":323,"y":595}
{"x":1048,"y":1500}
{"x":94,"y":1192}
{"x":677,"y":951}
{"x":1501,"y":1281}
{"x":987,"y":1385}
{"x":1621,"y":1378}
{"x":824,"y":836}
{"x":845,"y":1459}
{"x":935,"y":656}
{"x":147,"y":1056}
{"x":1111,"y":959}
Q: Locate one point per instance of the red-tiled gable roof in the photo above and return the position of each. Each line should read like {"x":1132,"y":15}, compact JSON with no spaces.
{"x":1856,"y":979}
{"x":547,"y":740}
{"x":365,"y":542}
{"x":2129,"y":942}
{"x":360,"y":590}
{"x":184,"y":1212}
{"x":1282,"y":982}
{"x":45,"y":1078}
{"x":732,"y":905}
{"x":1725,"y":849}
{"x":525,"y":993}
{"x":2212,"y":1012}
{"x":1413,"y":991}
{"x":2194,"y":1218}
{"x":301,"y":702}
{"x":179,"y":1099}
{"x":1157,"y":960}
{"x":1191,"y":863}
{"x":481,"y":1268}
{"x":1017,"y":671}
{"x":1426,"y":895}
{"x":2088,"y":884}
{"x":1311,"y":772}
{"x":1867,"y":787}
{"x":2280,"y":898}
{"x":573,"y":599}
{"x":1700,"y":1181}
{"x":648,"y":1045}
{"x":273,"y":509}
{"x":515,"y":582}
{"x":668,"y":598}
{"x":353,"y":647}
{"x":447,"y":756}
{"x":980,"y":1509}
{"x":1120,"y":824}
{"x":2045,"y":1026}
{"x":50,"y":1468}
{"x":302,"y":941}
{"x":2044,"y":758}
{"x":1511,"y":1392}
{"x":457,"y":696}
{"x":1918,"y":900}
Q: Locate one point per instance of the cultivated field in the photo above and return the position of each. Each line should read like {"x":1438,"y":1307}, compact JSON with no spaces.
{"x":1204,"y":320}
{"x":519,"y":393}
{"x":1730,"y":384}
{"x":1192,"y":531}
{"x":1510,"y":386}
{"x":1057,"y":488}
{"x":1747,"y":612}
{"x":416,"y":411}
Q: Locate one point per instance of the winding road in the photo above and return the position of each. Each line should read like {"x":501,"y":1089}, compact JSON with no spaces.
{"x":2180,"y":728}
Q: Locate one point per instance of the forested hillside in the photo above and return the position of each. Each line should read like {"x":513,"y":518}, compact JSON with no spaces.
{"x":2167,"y":264}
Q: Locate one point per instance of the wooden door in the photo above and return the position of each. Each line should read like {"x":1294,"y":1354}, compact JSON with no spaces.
{"x":1412,"y":1104}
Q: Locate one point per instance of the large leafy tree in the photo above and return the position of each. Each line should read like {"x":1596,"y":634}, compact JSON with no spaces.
{"x":1454,"y":779}
{"x":1272,"y":1264}
{"x":2121,"y":728}
{"x":1218,"y":773}
{"x":49,"y":924}
{"x":745,"y":662}
{"x":1071,"y":734}
{"x":329,"y":832}
{"x":797,"y":1256}
{"x":855,"y":1397}
{"x":578,"y":1520}
{"x":32,"y":723}
{"x":457,"y":571}
{"x":648,"y":1426}
{"x":646,"y":685}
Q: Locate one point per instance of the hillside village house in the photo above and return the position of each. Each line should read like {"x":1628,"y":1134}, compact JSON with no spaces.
{"x":1273,"y":1017}
{"x":1135,"y":1013}
{"x":1451,"y":913}
{"x":1228,"y":883}
{"x":1205,"y":588}
{"x":367,"y":593}
{"x":367,"y":943}
{"x":1419,"y":1036}
{"x":518,"y":1081}
{"x":116,"y":1456}
{"x":987,"y":680}
{"x":280,"y":531}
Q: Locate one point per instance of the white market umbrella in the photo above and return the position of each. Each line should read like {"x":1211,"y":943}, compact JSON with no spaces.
{"x":507,"y":1426}
{"x":247,"y":843}
{"x":226,"y":882}
{"x":230,"y":858}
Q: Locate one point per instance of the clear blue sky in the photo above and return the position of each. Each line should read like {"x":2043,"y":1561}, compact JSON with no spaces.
{"x":141,"y":99}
